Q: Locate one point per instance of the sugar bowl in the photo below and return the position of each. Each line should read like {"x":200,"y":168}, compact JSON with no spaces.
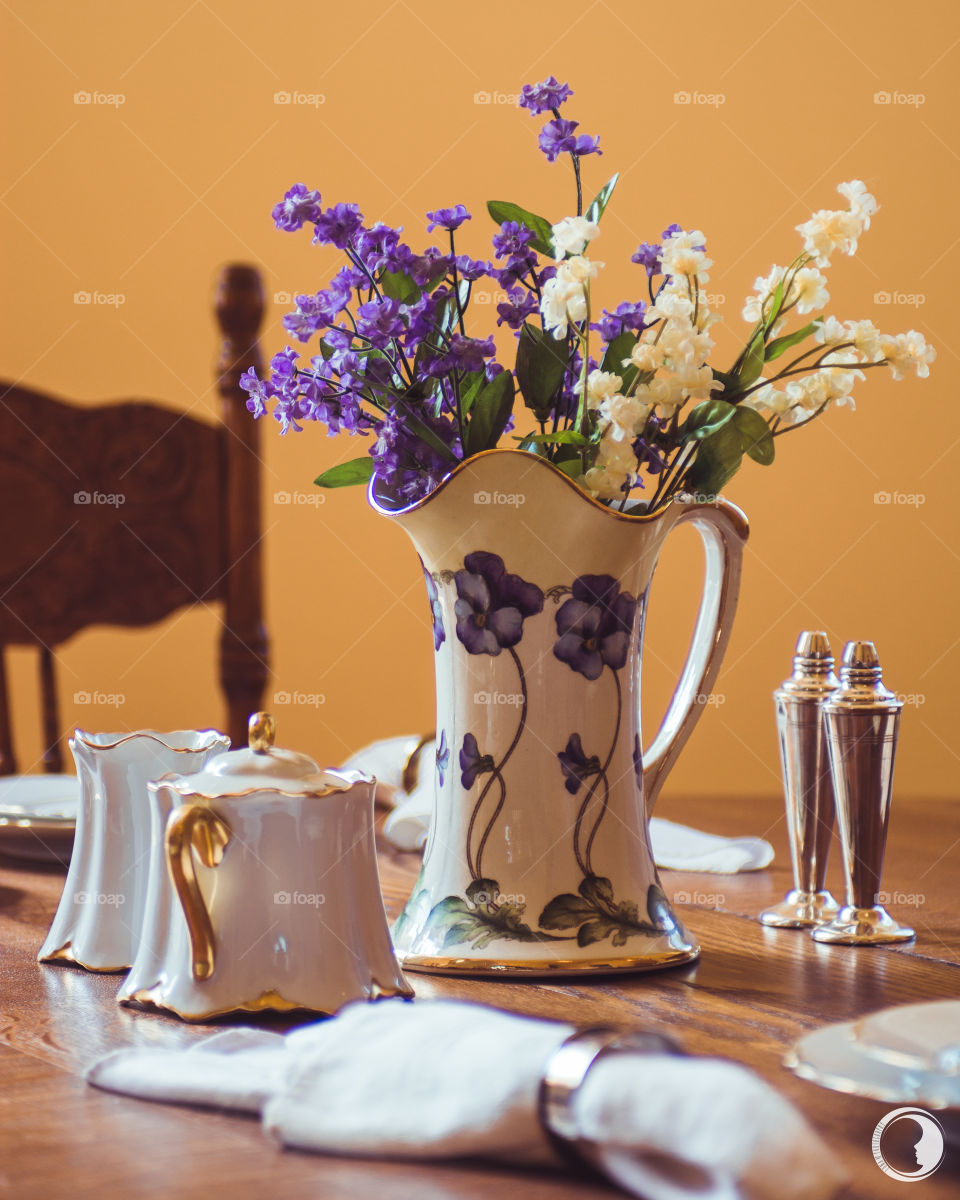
{"x":264,"y":893}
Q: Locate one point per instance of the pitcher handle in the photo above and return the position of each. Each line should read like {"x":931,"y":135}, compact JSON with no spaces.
{"x":723,"y":529}
{"x":195,"y":829}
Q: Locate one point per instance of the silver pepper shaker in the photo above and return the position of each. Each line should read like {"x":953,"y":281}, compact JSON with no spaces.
{"x":862,"y":720}
{"x":807,"y":785}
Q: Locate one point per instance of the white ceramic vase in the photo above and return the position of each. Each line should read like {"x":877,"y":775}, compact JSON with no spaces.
{"x":539,"y":859}
{"x":100,"y":916}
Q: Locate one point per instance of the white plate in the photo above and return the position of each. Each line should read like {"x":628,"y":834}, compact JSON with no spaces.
{"x":919,"y":1037}
{"x":833,"y":1058}
{"x":38,"y":816}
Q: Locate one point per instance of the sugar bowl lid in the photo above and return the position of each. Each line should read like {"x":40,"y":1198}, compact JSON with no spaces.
{"x":263,"y":767}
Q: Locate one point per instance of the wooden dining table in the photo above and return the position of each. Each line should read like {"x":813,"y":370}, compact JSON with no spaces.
{"x":749,"y":996}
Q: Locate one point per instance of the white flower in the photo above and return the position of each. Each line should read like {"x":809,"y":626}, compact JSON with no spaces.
{"x":683,"y":254}
{"x":906,"y":350}
{"x":564,"y":297}
{"x":771,"y":398}
{"x":570,"y":236}
{"x":763,"y":288}
{"x":627,"y":416}
{"x":862,"y":204}
{"x":697,"y":382}
{"x":645,"y":356}
{"x":578,"y":269}
{"x":615,"y":467}
{"x":866,"y":339}
{"x":670,"y":305}
{"x":666,"y":392}
{"x":808,"y":290}
{"x":600,"y":386}
{"x":830,"y":332}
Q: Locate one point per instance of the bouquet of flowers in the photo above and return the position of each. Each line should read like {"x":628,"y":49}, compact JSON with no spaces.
{"x":621,"y":399}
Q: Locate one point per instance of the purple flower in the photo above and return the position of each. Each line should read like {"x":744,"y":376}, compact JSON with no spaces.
{"x":409,"y":467}
{"x":374,"y":244}
{"x":544,"y":97}
{"x":671,"y":230}
{"x":298,"y":205}
{"x":472,"y":268}
{"x":627,"y":317}
{"x":257,"y":390}
{"x":513,"y":238}
{"x":448,"y":218}
{"x":379,"y":322}
{"x":443,"y":756}
{"x":595,"y":626}
{"x":648,"y":256}
{"x":472,"y":762}
{"x":337,"y":225}
{"x":469,"y":353}
{"x":436,"y":608}
{"x":557,"y":137}
{"x":492,"y":605}
{"x":519,"y":305}
{"x":575,"y":764}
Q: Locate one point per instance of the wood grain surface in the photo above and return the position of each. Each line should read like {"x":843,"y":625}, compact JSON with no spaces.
{"x":750,"y":995}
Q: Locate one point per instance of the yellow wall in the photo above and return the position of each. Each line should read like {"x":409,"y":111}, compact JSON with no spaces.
{"x":147,"y":199}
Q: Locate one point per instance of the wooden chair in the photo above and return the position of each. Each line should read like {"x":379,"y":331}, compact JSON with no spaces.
{"x":120,"y":514}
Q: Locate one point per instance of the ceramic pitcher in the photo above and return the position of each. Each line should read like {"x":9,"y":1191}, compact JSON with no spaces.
{"x":539,"y":856}
{"x":100,"y":915}
{"x":264,"y":893}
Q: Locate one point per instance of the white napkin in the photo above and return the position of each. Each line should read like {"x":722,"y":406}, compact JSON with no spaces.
{"x":445,"y":1079}
{"x":675,"y":847}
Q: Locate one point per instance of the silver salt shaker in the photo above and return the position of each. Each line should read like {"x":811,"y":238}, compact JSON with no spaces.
{"x":862,"y":720}
{"x":807,"y":785}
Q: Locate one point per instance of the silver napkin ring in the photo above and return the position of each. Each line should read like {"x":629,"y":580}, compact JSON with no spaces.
{"x":568,"y":1065}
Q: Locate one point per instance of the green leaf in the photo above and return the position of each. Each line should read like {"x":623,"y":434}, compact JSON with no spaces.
{"x":540,"y":227}
{"x":776,"y":303}
{"x":601,"y":199}
{"x":422,"y":430}
{"x":596,"y":931}
{"x":705,"y":419}
{"x":346,"y":474}
{"x":489,"y":414}
{"x":563,"y":437}
{"x":541,"y":362}
{"x":717,"y":461}
{"x":617,"y":351}
{"x":752,"y":364}
{"x":756,"y":439}
{"x":780,"y":344}
{"x":566,"y":912}
{"x":597,"y":889}
{"x":570,"y":466}
{"x":470,"y":387}
{"x":398,"y":286}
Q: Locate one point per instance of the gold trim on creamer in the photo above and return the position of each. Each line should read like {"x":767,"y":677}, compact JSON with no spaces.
{"x":736,"y":515}
{"x":530,"y":968}
{"x":268,"y":1001}
{"x":65,"y":954}
{"x":154,"y":735}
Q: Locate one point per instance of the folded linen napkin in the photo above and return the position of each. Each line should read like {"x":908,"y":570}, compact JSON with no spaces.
{"x":676,"y":847}
{"x":440,"y":1079}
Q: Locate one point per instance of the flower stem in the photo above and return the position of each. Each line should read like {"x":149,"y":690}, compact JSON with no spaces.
{"x":588,"y":852}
